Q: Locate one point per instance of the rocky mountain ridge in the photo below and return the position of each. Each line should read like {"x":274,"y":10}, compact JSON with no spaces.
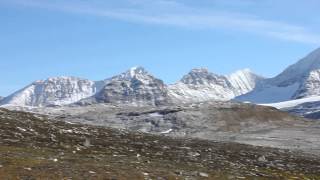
{"x":202,"y":85}
{"x":136,"y":87}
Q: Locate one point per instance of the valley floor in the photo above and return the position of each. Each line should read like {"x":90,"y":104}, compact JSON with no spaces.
{"x":33,"y":147}
{"x":218,"y":121}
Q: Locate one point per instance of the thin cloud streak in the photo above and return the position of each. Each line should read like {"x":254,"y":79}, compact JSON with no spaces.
{"x":173,"y":13}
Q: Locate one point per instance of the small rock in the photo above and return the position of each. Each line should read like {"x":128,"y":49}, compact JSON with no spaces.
{"x":240,"y":177}
{"x":262,"y":159}
{"x":194,"y":154}
{"x":28,"y":169}
{"x":87,"y":143}
{"x":202,"y":174}
{"x":92,"y":172}
{"x":21,"y":129}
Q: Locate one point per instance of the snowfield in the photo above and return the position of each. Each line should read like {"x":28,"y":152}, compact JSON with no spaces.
{"x":293,"y":103}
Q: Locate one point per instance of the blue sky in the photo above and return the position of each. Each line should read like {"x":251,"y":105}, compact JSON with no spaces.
{"x":96,"y":39}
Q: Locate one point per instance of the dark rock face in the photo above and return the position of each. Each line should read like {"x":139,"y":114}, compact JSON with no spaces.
{"x":133,"y":92}
{"x":136,"y":87}
{"x":203,"y":77}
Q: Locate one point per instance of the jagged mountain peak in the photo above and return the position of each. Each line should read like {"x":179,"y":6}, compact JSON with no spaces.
{"x":134,"y":73}
{"x":201,"y":85}
{"x":242,"y":71}
{"x":137,"y":70}
{"x":59,"y":78}
{"x":202,"y":76}
{"x":64,"y":78}
{"x":298,"y":71}
{"x":135,"y":87}
{"x":299,"y":80}
{"x":199,"y":70}
{"x":243,"y":81}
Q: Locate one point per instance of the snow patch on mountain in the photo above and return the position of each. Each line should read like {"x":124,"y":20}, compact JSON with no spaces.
{"x":269,"y":94}
{"x":243,"y":81}
{"x":293,"y":103}
{"x":53,"y":91}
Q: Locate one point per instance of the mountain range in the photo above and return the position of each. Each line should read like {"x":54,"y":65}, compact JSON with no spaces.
{"x":139,"y":88}
{"x":135,"y":87}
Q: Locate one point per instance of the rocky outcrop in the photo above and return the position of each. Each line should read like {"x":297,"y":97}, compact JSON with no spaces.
{"x":134,"y":87}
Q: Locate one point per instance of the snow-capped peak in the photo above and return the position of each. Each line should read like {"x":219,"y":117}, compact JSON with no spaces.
{"x":299,"y":80}
{"x":199,"y":70}
{"x":201,"y":76}
{"x":242,"y":71}
{"x":136,"y":87}
{"x":298,"y":71}
{"x":137,"y":70}
{"x":53,"y":91}
{"x":133,"y":73}
{"x":243,"y":81}
{"x":201,"y":85}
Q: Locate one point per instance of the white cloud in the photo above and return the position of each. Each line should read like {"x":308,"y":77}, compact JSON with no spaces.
{"x":174,"y":13}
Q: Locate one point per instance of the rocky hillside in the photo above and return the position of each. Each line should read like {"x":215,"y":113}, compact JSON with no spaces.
{"x":221,"y":121}
{"x":33,"y":147}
